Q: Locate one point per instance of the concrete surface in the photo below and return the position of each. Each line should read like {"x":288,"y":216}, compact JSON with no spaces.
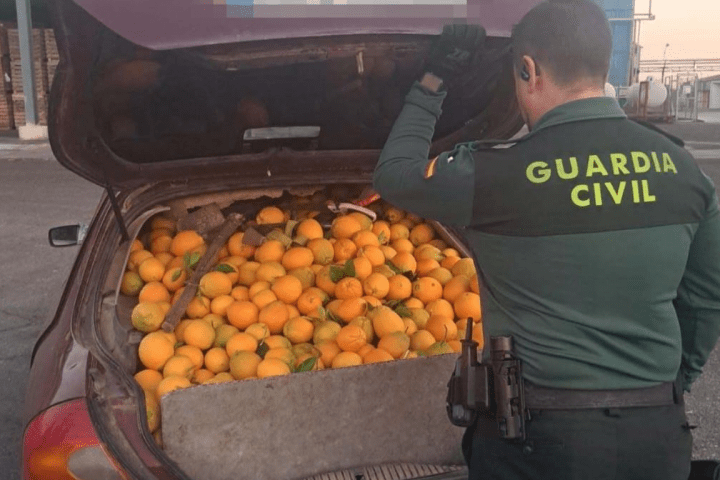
{"x":37,"y":193}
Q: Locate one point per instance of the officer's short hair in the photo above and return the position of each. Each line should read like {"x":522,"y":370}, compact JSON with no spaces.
{"x":571,"y":38}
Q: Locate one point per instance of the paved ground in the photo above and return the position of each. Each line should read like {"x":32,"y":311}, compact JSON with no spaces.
{"x":37,"y":193}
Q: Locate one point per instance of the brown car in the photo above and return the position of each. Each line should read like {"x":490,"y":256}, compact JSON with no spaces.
{"x":180,"y":106}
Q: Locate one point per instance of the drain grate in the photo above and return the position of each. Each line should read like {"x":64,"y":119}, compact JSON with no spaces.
{"x":399,"y":471}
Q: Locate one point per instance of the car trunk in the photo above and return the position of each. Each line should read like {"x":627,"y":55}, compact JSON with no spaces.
{"x":176,"y":126}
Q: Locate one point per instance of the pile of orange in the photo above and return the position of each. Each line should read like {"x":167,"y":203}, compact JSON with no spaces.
{"x":308,"y":298}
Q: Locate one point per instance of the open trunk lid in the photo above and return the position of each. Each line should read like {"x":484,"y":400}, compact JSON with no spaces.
{"x":152,"y":91}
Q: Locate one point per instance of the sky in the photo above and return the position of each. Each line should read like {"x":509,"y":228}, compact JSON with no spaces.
{"x":691,"y":27}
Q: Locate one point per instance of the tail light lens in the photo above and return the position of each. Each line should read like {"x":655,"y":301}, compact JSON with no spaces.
{"x":61,"y":444}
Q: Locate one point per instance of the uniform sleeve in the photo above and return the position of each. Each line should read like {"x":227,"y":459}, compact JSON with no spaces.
{"x":698,"y":300}
{"x":441,"y":188}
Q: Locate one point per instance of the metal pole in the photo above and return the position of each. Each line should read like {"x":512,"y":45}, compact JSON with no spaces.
{"x":677,"y":99}
{"x":26,"y":59}
{"x":695,"y":101}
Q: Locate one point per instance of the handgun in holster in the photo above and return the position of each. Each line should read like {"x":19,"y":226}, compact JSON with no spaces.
{"x":493,"y":390}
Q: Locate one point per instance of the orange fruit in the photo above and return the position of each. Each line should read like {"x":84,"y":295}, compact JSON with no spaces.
{"x":200,"y":334}
{"x":161,"y":244}
{"x":324,"y":282}
{"x":388,"y":252}
{"x":413,"y":302}
{"x":217,"y":360}
{"x":325,"y":331}
{"x":136,"y":246}
{"x":381,"y":229}
{"x":174,"y":261}
{"x":246,"y":273}
{"x":131,"y":284}
{"x":154,"y":292}
{"x":351,"y":308}
{"x":198,"y":307}
{"x":186,"y":241}
{"x":232,"y":271}
{"x":372,"y":301}
{"x":160,"y":232}
{"x":366,"y":324}
{"x":394,"y":214}
{"x":237,"y":248}
{"x":475,"y":284}
{"x":427,"y":289}
{"x":410,"y":326}
{"x":464,"y":266}
{"x":449,"y":262}
{"x":151,"y":270}
{"x":373,"y":254}
{"x":179,"y":365}
{"x":242,"y":314}
{"x":395,"y":343}
{"x":439,"y":348}
{"x":365,"y":222}
{"x":147,"y":317}
{"x":174,"y":278}
{"x":277,"y":341}
{"x":298,"y":330}
{"x":241,"y":341}
{"x":328,"y":351}
{"x":456,"y":287}
{"x":310,"y":229}
{"x":403,"y":245}
{"x":223,"y":333}
{"x":148,"y":379}
{"x":420,"y":316}
{"x":400,"y":287}
{"x":259,"y":331}
{"x":404,"y":261}
{"x":323,"y":251}
{"x":350,"y":338}
{"x":264,"y":298}
{"x":240,"y":292}
{"x":421,"y":233}
{"x":310,"y":300}
{"x":427,"y":251}
{"x":377,"y":285}
{"x":468,"y":305}
{"x":272,"y":367}
{"x":365,"y":238}
{"x":297,"y":257}
{"x":220,"y":304}
{"x":201,"y":375}
{"x":421,"y":340}
{"x":270,"y":251}
{"x":285,"y":355}
{"x":346,"y":359}
{"x":386,"y":321}
{"x":221,"y":377}
{"x":258,"y":287}
{"x":287,"y":288}
{"x":165,"y":258}
{"x":441,"y":274}
{"x":348,"y":287}
{"x":293,"y":312}
{"x":477,"y":331}
{"x":269,"y":215}
{"x":234,"y":260}
{"x":136,"y":258}
{"x":244,"y":364}
{"x":154,"y":350}
{"x":269,"y":272}
{"x":364,"y":350}
{"x":442,"y":328}
{"x":345,"y":226}
{"x":180,"y":329}
{"x":441,"y":307}
{"x":363,"y":268}
{"x":333,"y":306}
{"x":274,"y":315}
{"x":161,"y":221}
{"x":407,"y":222}
{"x":398,"y":231}
{"x":170,"y":384}
{"x":427,"y":265}
{"x":377,"y":355}
{"x":319,"y":365}
{"x":306,"y":275}
{"x":193,"y":353}
{"x":214,"y":319}
{"x":344,"y":249}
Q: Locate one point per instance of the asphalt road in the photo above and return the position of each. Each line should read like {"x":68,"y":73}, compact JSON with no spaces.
{"x":36,"y":193}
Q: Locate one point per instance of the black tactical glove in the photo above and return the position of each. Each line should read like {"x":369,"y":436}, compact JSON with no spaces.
{"x":456,"y":49}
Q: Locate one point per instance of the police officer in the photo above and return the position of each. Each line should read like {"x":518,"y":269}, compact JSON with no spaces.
{"x":597,"y":242}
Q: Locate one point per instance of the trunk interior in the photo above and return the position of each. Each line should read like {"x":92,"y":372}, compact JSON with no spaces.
{"x":384,"y":421}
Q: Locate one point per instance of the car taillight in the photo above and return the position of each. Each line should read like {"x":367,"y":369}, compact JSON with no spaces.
{"x":61,"y":444}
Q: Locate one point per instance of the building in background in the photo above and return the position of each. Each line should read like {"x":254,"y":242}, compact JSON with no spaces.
{"x":625,"y":54}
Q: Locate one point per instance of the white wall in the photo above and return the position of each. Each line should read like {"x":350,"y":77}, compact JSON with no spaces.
{"x":714,"y":95}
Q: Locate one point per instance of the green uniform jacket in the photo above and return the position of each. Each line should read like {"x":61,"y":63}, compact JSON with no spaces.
{"x":597,"y":240}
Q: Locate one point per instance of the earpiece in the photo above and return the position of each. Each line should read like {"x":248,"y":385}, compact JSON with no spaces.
{"x":524,"y":74}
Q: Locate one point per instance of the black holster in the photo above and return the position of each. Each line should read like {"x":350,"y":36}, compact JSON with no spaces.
{"x":493,"y":390}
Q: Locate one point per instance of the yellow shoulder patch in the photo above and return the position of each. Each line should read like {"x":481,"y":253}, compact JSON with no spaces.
{"x":431,"y":167}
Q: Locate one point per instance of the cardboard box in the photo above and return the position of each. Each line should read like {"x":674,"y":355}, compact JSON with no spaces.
{"x":306,"y":424}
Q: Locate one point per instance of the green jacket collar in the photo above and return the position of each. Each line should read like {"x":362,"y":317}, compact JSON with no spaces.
{"x":578,"y":110}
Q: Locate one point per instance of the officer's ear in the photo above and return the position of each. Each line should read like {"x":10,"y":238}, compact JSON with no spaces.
{"x":529,"y":72}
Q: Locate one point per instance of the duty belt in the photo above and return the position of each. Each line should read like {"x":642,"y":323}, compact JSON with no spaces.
{"x":541,"y":398}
